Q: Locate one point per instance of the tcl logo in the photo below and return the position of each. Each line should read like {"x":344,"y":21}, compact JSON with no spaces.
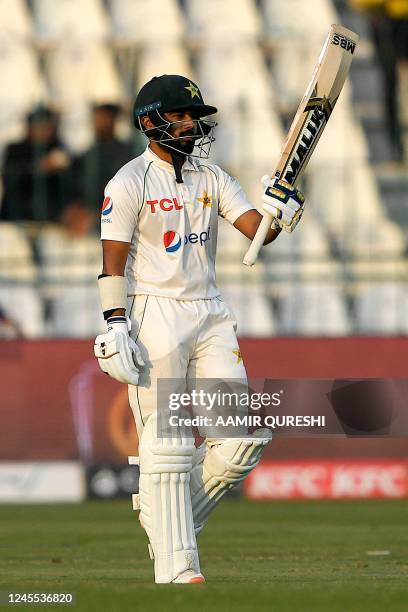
{"x":164,"y":204}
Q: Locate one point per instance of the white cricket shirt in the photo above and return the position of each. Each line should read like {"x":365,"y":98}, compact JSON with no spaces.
{"x":171,"y":227}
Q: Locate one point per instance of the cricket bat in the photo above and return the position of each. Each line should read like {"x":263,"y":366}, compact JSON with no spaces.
{"x":311,"y":117}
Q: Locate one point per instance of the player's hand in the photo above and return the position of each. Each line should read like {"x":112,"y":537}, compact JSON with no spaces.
{"x":117,"y":353}
{"x":283,"y":201}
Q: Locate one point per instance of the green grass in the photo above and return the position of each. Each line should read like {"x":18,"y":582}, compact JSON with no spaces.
{"x":256,"y":556}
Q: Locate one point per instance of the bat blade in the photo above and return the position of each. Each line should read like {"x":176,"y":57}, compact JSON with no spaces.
{"x":317,"y":103}
{"x":311,"y":117}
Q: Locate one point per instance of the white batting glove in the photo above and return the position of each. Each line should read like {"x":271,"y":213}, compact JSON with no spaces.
{"x":283,"y":201}
{"x":117,"y":353}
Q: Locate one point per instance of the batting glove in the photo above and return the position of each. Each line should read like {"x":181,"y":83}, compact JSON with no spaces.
{"x":283,"y":201}
{"x":117,"y":353}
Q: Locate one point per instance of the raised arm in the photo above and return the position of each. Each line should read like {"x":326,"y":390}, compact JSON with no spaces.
{"x":235,"y":207}
{"x":283,"y":205}
{"x":249,"y":222}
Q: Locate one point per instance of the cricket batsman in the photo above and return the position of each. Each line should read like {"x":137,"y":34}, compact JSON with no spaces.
{"x":166,"y":318}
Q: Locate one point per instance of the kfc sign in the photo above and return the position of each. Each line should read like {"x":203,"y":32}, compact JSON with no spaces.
{"x":328,"y":479}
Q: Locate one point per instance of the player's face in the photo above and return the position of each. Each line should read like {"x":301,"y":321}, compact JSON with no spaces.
{"x":183,"y":127}
{"x":184,"y":124}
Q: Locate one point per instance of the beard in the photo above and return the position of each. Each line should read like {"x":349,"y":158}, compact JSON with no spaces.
{"x":187,"y":146}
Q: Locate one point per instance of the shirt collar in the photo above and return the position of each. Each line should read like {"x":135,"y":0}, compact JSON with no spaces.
{"x":189,"y":164}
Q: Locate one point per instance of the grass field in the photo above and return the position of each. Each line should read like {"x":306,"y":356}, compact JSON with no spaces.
{"x":256,"y":556}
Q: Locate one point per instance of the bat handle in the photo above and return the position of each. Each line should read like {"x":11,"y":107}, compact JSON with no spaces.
{"x":258,"y":240}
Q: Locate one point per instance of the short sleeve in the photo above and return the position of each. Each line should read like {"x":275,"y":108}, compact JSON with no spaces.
{"x":233,"y":200}
{"x":119,"y":211}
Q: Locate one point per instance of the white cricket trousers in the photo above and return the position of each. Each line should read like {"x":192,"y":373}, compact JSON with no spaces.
{"x":181,"y":339}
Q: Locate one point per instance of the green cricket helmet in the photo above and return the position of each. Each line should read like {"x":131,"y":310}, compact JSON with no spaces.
{"x":173,"y":92}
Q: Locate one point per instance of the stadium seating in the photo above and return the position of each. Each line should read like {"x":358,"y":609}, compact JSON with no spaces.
{"x":146,"y":21}
{"x":25,"y":88}
{"x":292,"y":19}
{"x":234,"y":71}
{"x":243,"y":288}
{"x":360,"y":272}
{"x":315,"y":309}
{"x":343,"y":188}
{"x":305,"y":259}
{"x":74,"y":53}
{"x":58,"y":21}
{"x":297,"y":43}
{"x":225,"y":20}
{"x":376,"y":240}
{"x":69,"y":268}
{"x":310,"y":243}
{"x":383,"y":309}
{"x":16,"y":257}
{"x":72,"y":74}
{"x":76,"y":312}
{"x":19,"y":295}
{"x":66,"y":259}
{"x":251,"y":309}
{"x":74,"y":85}
{"x":24,"y":306}
{"x":234,"y":77}
{"x":75,"y":129}
{"x":162,"y":58}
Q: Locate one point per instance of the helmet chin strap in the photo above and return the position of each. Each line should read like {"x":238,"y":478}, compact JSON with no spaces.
{"x":178,"y":160}
{"x":178,"y":157}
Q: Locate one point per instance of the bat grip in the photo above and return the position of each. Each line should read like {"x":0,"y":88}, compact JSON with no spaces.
{"x":258,"y":240}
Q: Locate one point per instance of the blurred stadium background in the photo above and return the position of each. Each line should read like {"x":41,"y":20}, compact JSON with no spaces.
{"x":70,"y":70}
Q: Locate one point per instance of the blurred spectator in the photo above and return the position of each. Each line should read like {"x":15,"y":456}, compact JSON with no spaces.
{"x":77,"y":220}
{"x":9,"y":330}
{"x":389,"y":24}
{"x":36,"y":172}
{"x":97,"y":166}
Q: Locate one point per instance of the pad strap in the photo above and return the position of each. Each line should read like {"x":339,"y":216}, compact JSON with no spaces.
{"x":113,"y":292}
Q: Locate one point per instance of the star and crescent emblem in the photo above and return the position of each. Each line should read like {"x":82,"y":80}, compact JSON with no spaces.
{"x":238,"y":355}
{"x":193,"y":89}
{"x":206,"y":200}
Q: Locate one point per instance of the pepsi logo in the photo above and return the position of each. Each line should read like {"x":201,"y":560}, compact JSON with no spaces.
{"x":107,"y":206}
{"x":172,"y":241}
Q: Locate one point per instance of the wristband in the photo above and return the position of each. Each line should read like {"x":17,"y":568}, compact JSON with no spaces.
{"x":113,"y":292}
{"x":118,"y":319}
{"x":110,"y":321}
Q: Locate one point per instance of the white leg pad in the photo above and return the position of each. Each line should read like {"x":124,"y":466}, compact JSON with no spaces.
{"x":226,"y":463}
{"x":165,"y":502}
